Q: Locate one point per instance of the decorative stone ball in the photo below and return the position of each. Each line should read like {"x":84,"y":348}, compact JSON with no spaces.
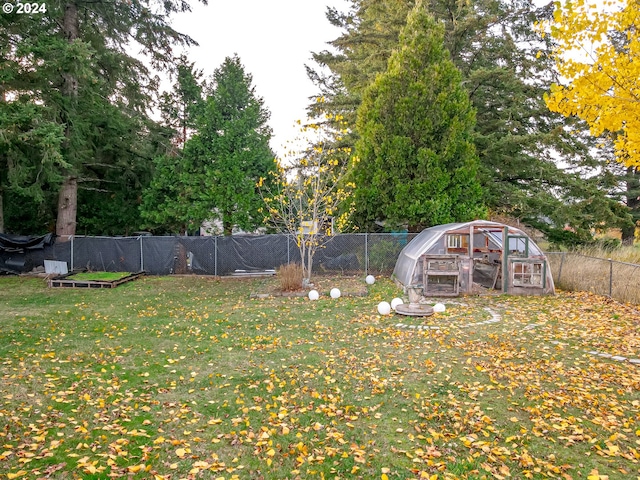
{"x":395,"y":302}
{"x":314,"y":295}
{"x":384,"y":308}
{"x":439,"y":308}
{"x":370,"y":279}
{"x":335,"y":293}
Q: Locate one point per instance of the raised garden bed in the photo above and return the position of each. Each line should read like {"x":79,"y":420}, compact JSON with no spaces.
{"x":93,"y":279}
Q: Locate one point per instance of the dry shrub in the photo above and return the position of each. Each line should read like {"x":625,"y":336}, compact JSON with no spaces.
{"x":290,"y":277}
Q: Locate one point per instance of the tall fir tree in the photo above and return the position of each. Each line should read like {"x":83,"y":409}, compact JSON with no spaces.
{"x":30,"y":133}
{"x":184,"y":104}
{"x":532,"y":165}
{"x":215,"y":177}
{"x":166,"y":202}
{"x":416,"y":163}
{"x":79,"y":66}
{"x":632,"y":200}
{"x":601,"y":87}
{"x":231,"y":150}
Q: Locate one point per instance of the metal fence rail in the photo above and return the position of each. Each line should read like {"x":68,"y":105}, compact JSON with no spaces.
{"x":348,"y":254}
{"x":574,"y":271}
{"x":223,"y":255}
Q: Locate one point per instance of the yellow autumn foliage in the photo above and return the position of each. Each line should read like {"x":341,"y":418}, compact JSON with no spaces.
{"x":598,"y":53}
{"x":306,"y":193}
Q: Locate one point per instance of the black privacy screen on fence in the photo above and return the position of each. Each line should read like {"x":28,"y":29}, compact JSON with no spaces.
{"x":343,"y":254}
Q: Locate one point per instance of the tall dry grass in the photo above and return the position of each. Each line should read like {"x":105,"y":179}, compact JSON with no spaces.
{"x":290,"y":277}
{"x":628,"y":254}
{"x":591,"y":270}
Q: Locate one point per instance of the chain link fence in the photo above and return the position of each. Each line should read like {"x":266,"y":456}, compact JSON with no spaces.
{"x":574,"y":271}
{"x":348,"y":254}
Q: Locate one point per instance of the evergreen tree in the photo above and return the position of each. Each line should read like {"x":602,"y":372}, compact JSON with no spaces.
{"x":534,"y":164}
{"x":30,"y":134}
{"x":77,"y":63}
{"x":215,"y":177}
{"x":166,"y":202}
{"x":231,"y":150}
{"x":30,"y":142}
{"x":111,"y":184}
{"x":416,"y":163}
{"x":506,"y":70}
{"x":601,"y":88}
{"x":181,"y":107}
{"x":168,"y":199}
{"x":632,"y":201}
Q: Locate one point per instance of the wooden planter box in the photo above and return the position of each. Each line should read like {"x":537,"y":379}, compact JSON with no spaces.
{"x":65,"y":281}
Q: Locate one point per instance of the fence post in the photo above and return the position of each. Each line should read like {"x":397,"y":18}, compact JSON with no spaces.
{"x":366,"y":253}
{"x":610,"y":277}
{"x":561,"y":263}
{"x":141,"y":255}
{"x":288,"y":255}
{"x":72,"y":266}
{"x":215,"y":255}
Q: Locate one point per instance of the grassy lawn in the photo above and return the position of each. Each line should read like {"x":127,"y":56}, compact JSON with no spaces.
{"x":187,"y":377}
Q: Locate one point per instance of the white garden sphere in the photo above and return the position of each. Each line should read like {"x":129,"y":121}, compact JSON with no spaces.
{"x":439,"y":308}
{"x":370,"y":279}
{"x":314,"y":295}
{"x":335,"y":293}
{"x":395,"y":302}
{"x":384,"y":308}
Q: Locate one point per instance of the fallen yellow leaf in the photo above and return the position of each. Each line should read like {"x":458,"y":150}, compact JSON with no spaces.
{"x":19,"y":473}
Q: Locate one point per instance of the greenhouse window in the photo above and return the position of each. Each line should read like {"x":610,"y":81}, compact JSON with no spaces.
{"x":528,"y":274}
{"x":457,"y":243}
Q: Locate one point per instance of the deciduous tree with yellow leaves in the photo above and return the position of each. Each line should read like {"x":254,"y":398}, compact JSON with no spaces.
{"x":305,"y":194}
{"x":598,"y":53}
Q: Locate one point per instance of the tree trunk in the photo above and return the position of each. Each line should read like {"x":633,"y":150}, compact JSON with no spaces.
{"x":227,"y":227}
{"x":310,"y":252}
{"x":302,"y":248}
{"x":68,"y":196}
{"x":3,"y":99}
{"x":307,"y":246}
{"x":180,"y":260}
{"x":70,"y":28}
{"x":1,"y":212}
{"x":633,"y":203}
{"x":67,"y":207}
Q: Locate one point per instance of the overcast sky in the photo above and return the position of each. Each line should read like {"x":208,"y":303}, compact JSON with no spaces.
{"x":274,"y":40}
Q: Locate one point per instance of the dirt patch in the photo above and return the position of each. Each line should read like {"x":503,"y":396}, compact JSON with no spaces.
{"x":350,"y":286}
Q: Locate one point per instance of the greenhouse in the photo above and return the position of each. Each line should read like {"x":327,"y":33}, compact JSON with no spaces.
{"x":473,"y":257}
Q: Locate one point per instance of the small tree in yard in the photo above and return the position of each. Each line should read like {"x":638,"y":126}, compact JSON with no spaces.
{"x":304,"y":197}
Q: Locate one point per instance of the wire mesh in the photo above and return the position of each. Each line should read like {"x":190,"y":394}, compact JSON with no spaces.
{"x":626,"y":282}
{"x":574,"y":271}
{"x":347,"y":254}
{"x":340,"y":254}
{"x":383,"y":251}
{"x":107,"y":254}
